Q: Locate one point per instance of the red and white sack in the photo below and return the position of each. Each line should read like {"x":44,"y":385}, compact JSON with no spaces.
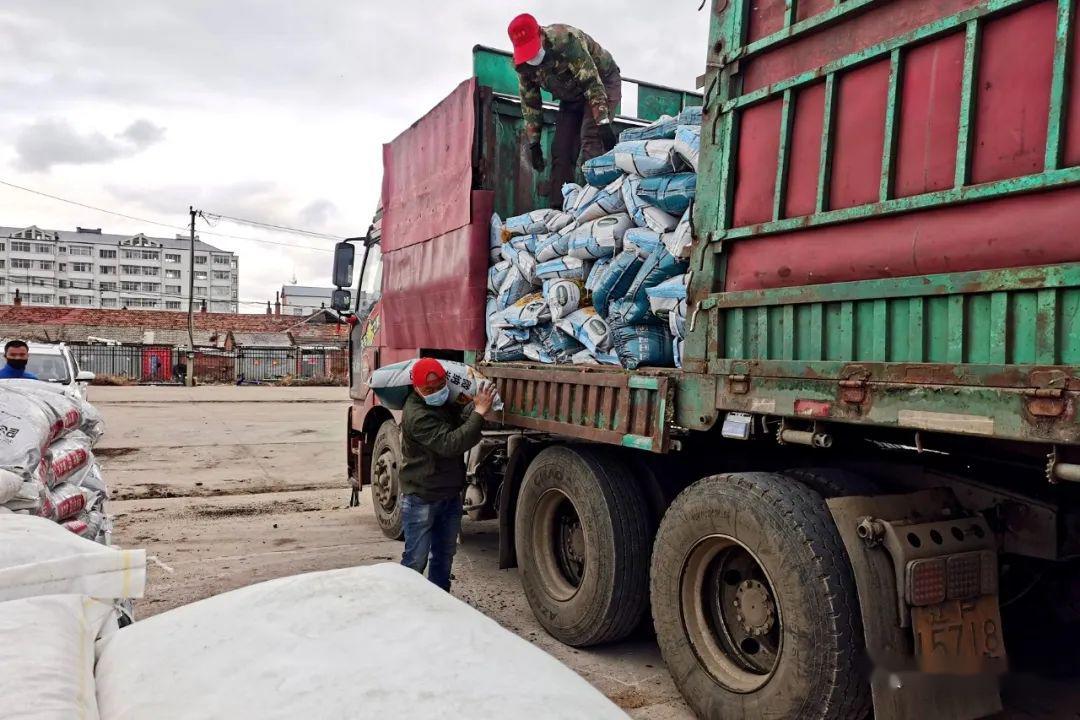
{"x":27,"y":426}
{"x":89,"y":524}
{"x":69,"y":459}
{"x":67,"y":410}
{"x":67,"y":501}
{"x":10,"y":484}
{"x":92,"y":480}
{"x":31,"y":498}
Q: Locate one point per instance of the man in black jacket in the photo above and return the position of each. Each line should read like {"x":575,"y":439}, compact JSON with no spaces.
{"x":435,"y":435}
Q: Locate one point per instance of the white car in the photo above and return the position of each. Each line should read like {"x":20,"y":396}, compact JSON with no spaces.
{"x":54,"y":363}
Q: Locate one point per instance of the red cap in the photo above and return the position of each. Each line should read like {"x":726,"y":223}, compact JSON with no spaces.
{"x":426,"y":372}
{"x":524,"y":33}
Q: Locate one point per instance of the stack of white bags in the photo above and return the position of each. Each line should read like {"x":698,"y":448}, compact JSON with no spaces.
{"x":603,"y":279}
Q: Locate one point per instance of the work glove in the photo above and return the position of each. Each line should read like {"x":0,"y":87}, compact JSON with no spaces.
{"x":536,"y":155}
{"x":607,"y":136}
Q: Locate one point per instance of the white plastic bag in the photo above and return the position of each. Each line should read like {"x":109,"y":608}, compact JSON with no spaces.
{"x":367,"y":642}
{"x":563,"y":297}
{"x":47,"y":656}
{"x":38,"y":557}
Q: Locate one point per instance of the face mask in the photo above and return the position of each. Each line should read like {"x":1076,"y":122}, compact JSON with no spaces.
{"x":17,"y":364}
{"x":438,"y":397}
{"x":538,"y":59}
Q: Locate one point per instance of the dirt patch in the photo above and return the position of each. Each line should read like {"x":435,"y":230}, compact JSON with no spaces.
{"x":630,"y":698}
{"x":112,"y":452}
{"x":247,"y":509}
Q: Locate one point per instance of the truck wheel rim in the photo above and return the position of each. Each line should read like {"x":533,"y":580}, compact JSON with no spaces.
{"x":730,"y":613}
{"x":384,"y":481}
{"x":559,"y":543}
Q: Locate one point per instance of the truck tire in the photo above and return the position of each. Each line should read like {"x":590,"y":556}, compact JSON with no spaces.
{"x":385,"y":490}
{"x":754,"y":602}
{"x":834,"y":482}
{"x":582,"y":534}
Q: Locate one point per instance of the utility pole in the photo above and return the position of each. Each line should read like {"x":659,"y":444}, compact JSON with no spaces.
{"x":189,"y":376}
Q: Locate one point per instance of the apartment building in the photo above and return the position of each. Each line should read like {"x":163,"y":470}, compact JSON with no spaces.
{"x":91,"y":269}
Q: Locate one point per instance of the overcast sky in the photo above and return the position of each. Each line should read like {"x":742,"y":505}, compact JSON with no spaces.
{"x":262,"y":109}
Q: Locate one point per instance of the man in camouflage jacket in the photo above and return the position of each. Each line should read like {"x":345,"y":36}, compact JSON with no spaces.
{"x":585,"y":80}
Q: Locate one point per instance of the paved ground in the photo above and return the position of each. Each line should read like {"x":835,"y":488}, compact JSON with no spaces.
{"x":234,"y":485}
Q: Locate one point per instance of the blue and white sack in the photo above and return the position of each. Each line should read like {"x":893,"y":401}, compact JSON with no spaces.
{"x":691,"y":116}
{"x":555,"y":245}
{"x":588,"y":357}
{"x":563,"y":297}
{"x":509,"y":252}
{"x":569,"y":195}
{"x":596,"y":272}
{"x":538,"y":353}
{"x":601,"y":170}
{"x":646,"y":157}
{"x":559,"y":221}
{"x":641,"y":240}
{"x":496,"y":275}
{"x":617,"y":278}
{"x":643,"y":345}
{"x":527,"y":243}
{"x":599,"y":238}
{"x":527,"y":224}
{"x":644,"y":214}
{"x":582,"y":199}
{"x":588,"y":328}
{"x":660,"y":129}
{"x":526,"y":263}
{"x":559,"y":346}
{"x":513,"y":288}
{"x":606,"y":202}
{"x":506,"y":349}
{"x":634,"y":307}
{"x":677,"y":351}
{"x":688,"y":145}
{"x":677,"y":320}
{"x":495,"y":238}
{"x":527,"y":312}
{"x":665,"y":297}
{"x":491,"y":311}
{"x":671,"y":193}
{"x":570,"y":268}
{"x":680,"y":241}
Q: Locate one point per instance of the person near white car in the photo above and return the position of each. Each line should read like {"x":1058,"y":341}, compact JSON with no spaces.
{"x":17,"y":355}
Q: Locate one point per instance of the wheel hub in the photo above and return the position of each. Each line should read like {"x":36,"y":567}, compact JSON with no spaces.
{"x":383,"y":486}
{"x":754,"y":608}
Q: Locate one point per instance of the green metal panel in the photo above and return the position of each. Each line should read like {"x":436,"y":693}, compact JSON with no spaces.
{"x":495,"y":69}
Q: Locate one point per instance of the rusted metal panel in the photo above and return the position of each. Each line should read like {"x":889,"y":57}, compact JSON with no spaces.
{"x":608,"y":406}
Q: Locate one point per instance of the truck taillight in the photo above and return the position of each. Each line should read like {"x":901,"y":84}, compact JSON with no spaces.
{"x":953,"y":577}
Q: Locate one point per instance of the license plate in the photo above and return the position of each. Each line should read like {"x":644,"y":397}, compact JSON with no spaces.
{"x":959,"y":637}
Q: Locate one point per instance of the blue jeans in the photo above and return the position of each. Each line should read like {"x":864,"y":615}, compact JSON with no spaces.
{"x":431,"y":529}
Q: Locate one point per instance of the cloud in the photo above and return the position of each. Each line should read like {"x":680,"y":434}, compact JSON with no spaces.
{"x":55,"y":142}
{"x":316,"y":214}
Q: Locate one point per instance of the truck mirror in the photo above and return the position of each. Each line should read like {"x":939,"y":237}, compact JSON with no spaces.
{"x":344,"y":253}
{"x":341,"y":300}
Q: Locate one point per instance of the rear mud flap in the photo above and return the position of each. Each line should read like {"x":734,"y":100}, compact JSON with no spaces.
{"x":899,"y":690}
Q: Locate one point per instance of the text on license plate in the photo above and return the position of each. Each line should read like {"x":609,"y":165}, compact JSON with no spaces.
{"x":959,"y":636}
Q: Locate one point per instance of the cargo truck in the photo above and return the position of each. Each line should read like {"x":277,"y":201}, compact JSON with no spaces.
{"x":872,"y":446}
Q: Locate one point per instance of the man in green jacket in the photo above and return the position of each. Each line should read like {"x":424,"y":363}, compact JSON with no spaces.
{"x":435,"y":435}
{"x":585,"y":80}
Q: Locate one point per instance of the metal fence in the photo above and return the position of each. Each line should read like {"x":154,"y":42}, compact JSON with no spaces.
{"x":165,"y":364}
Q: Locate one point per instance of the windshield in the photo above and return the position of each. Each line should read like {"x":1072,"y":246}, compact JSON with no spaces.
{"x":50,"y":367}
{"x":371,"y":282}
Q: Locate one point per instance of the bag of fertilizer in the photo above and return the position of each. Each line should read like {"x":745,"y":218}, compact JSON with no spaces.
{"x":67,"y":501}
{"x":680,"y":241}
{"x":527,"y":224}
{"x":569,"y":268}
{"x":599,"y":238}
{"x":560,"y":346}
{"x":10,"y":484}
{"x":26,"y":428}
{"x":291,"y":648}
{"x":665,"y":297}
{"x":559,"y":222}
{"x":526,"y":243}
{"x":688,"y":145}
{"x":495,"y":237}
{"x":570,"y":192}
{"x":588,"y":357}
{"x":670,"y":193}
{"x":93,"y":481}
{"x":556,"y":245}
{"x":68,"y":410}
{"x":677,"y":351}
{"x":617,"y":278}
{"x":31,"y":498}
{"x":691,"y":116}
{"x":646,"y":157}
{"x":677,"y":320}
{"x":563,"y":297}
{"x":538,"y":353}
{"x":509,"y":253}
{"x":514,"y":287}
{"x":660,"y":129}
{"x":393,"y":383}
{"x":606,"y":202}
{"x":68,"y":459}
{"x":587,"y":327}
{"x":643,"y":345}
{"x":634,"y":308}
{"x":595,"y":273}
{"x":526,"y":263}
{"x":641,"y":240}
{"x":527,"y":312}
{"x":496,"y":275}
{"x":601,"y":170}
{"x":644,"y":214}
{"x":506,"y":349}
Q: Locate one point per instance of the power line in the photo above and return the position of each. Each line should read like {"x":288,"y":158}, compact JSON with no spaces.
{"x":166,"y":225}
{"x":269,"y":226}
